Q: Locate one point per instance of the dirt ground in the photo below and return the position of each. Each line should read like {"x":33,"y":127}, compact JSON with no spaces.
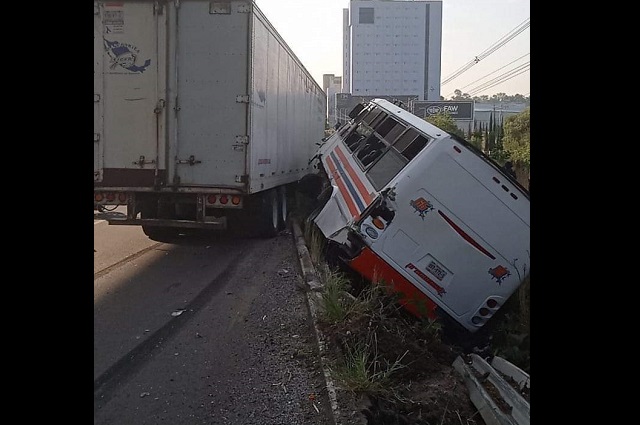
{"x":426,"y":390}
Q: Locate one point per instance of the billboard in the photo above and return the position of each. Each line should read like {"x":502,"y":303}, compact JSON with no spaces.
{"x":457,"y":109}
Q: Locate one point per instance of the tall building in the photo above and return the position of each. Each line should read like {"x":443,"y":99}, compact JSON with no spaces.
{"x":392,"y":48}
{"x":331,"y":85}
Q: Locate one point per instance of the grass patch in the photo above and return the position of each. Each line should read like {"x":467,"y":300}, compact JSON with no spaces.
{"x":364,"y":370}
{"x":338,"y":305}
{"x":316,"y":243}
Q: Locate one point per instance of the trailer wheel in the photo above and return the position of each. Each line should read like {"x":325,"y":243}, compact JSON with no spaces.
{"x":269,"y":214}
{"x":282,"y":207}
{"x":160,"y":234}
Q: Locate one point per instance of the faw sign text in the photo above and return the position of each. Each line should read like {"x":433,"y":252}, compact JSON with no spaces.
{"x":457,"y":109}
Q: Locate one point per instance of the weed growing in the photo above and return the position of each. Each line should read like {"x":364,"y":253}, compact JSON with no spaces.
{"x":364,"y":369}
{"x":315,"y":242}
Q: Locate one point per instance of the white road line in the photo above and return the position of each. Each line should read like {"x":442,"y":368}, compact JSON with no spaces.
{"x":99,"y":221}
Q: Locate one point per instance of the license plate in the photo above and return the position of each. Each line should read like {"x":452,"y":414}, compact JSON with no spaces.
{"x":436,"y":270}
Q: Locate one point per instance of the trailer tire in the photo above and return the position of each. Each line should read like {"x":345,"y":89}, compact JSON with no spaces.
{"x":160,"y":234}
{"x":282,"y":207}
{"x":269,"y":214}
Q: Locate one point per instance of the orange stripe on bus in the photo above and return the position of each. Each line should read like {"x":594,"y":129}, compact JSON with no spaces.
{"x":343,"y":189}
{"x":354,"y":176}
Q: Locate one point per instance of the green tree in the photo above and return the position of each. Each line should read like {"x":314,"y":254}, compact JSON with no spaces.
{"x":487,"y":141}
{"x":444,"y":121}
{"x":497,"y":152}
{"x":500,"y":97}
{"x":517,"y":138}
{"x":458,"y":95}
{"x":476,"y":136}
{"x":491,"y":135}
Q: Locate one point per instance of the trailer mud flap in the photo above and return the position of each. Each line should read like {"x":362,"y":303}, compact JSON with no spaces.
{"x":369,"y":265}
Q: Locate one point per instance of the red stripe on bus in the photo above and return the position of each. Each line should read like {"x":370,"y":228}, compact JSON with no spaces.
{"x":354,"y":176}
{"x":375,"y":269}
{"x":466,"y":237}
{"x":343,"y":189}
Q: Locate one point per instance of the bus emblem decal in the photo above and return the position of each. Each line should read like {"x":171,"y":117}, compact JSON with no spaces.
{"x":422,"y":206}
{"x":499,"y":273}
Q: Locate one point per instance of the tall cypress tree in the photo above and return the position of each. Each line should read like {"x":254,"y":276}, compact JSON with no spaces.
{"x":487,"y":141}
{"x":491,"y":132}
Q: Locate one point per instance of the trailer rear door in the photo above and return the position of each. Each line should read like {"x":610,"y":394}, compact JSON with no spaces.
{"x":127,"y":89}
{"x":98,"y":146}
{"x":212,"y":93}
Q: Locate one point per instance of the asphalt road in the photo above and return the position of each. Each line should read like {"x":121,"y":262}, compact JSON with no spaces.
{"x":212,"y":329}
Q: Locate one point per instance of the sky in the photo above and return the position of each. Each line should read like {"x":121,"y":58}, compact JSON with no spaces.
{"x":470,"y":28}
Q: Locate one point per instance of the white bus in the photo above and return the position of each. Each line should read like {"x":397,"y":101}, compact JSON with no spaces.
{"x":425,"y":212}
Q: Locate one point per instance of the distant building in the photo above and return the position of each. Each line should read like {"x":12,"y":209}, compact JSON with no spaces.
{"x":484,"y":110}
{"x":392,"y":48}
{"x":331,"y":85}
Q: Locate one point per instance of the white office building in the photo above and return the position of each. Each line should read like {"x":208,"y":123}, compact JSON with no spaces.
{"x":392,"y":48}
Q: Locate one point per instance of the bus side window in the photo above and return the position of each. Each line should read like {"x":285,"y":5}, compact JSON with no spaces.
{"x":386,"y":168}
{"x":410,"y":143}
{"x":371,"y":156}
{"x":371,"y":144}
{"x":369,"y":117}
{"x":385,"y":126}
{"x":415,"y":147}
{"x":394,"y":133}
{"x":353,"y":140}
{"x":360,"y":115}
{"x":405,"y":139}
{"x":376,"y":122}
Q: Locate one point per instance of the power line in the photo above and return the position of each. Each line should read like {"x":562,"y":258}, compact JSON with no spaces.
{"x":504,"y":40}
{"x":501,"y":79}
{"x":491,"y":73}
{"x":485,"y":76}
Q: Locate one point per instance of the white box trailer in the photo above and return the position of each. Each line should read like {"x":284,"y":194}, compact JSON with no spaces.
{"x":202,"y":113}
